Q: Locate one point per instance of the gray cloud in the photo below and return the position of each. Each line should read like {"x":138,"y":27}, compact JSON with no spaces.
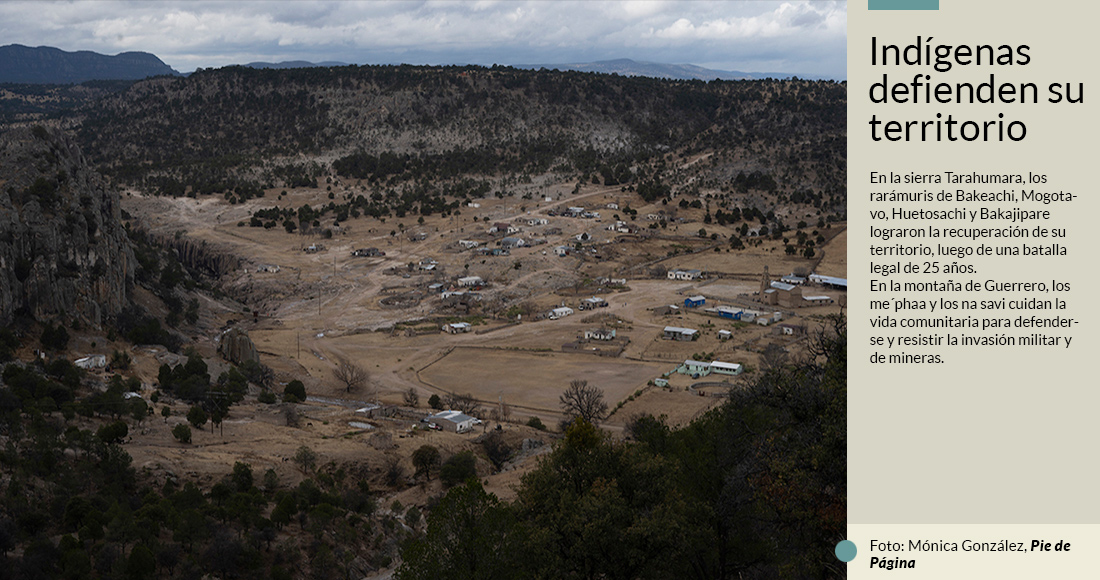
{"x":797,"y":37}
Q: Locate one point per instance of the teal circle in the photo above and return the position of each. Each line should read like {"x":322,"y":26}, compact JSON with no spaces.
{"x":845,"y":550}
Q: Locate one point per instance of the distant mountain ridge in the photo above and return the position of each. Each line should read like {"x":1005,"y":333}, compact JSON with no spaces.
{"x":620,"y":66}
{"x":293,"y":64}
{"x":684,"y":72}
{"x":49,"y":65}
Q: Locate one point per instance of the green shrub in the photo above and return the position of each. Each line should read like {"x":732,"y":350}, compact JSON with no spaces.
{"x":295,"y":392}
{"x":458,"y":468}
{"x":182,"y":433}
{"x":55,"y":337}
{"x":114,"y":432}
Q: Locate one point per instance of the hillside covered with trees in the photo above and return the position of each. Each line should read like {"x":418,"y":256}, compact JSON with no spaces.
{"x":754,"y":489}
{"x":237,"y":130}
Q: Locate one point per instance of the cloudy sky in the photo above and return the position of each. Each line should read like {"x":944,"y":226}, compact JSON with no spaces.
{"x":753,"y":36}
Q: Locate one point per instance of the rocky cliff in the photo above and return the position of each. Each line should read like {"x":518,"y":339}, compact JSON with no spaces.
{"x":63,"y":250}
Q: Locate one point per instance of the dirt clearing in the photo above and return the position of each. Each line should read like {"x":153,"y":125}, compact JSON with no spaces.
{"x":536,"y":380}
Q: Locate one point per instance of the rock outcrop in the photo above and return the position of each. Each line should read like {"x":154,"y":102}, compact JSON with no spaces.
{"x":63,"y":250}
{"x":237,"y":347}
{"x":199,"y":255}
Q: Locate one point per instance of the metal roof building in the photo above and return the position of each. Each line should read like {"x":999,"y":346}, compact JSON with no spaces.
{"x":829,"y":281}
{"x":453,"y":421}
{"x":677,"y":333}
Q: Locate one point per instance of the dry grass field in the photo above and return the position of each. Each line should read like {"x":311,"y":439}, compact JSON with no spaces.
{"x":678,"y":407}
{"x":535,"y":380}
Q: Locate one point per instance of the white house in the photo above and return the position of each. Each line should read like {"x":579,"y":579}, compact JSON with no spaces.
{"x":468,"y":244}
{"x":453,"y":421}
{"x":701,"y":369}
{"x":593,"y":303}
{"x":684,"y":274}
{"x":677,"y":333}
{"x":456,"y":327}
{"x":725,"y":368}
{"x":599,"y":334}
{"x":560,"y":312}
{"x":840,"y":283}
{"x":468,"y":281}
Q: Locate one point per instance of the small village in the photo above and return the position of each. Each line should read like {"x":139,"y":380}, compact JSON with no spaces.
{"x":575,"y":284}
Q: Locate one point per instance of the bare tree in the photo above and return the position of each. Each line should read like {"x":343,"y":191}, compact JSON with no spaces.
{"x":350,"y":374}
{"x":290,"y":412}
{"x":585,"y":401}
{"x":528,"y":308}
{"x":774,"y":357}
{"x":393,"y":470}
{"x":467,"y":404}
{"x":411,"y":397}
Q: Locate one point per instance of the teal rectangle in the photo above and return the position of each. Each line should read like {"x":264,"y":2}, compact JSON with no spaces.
{"x":903,"y":4}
